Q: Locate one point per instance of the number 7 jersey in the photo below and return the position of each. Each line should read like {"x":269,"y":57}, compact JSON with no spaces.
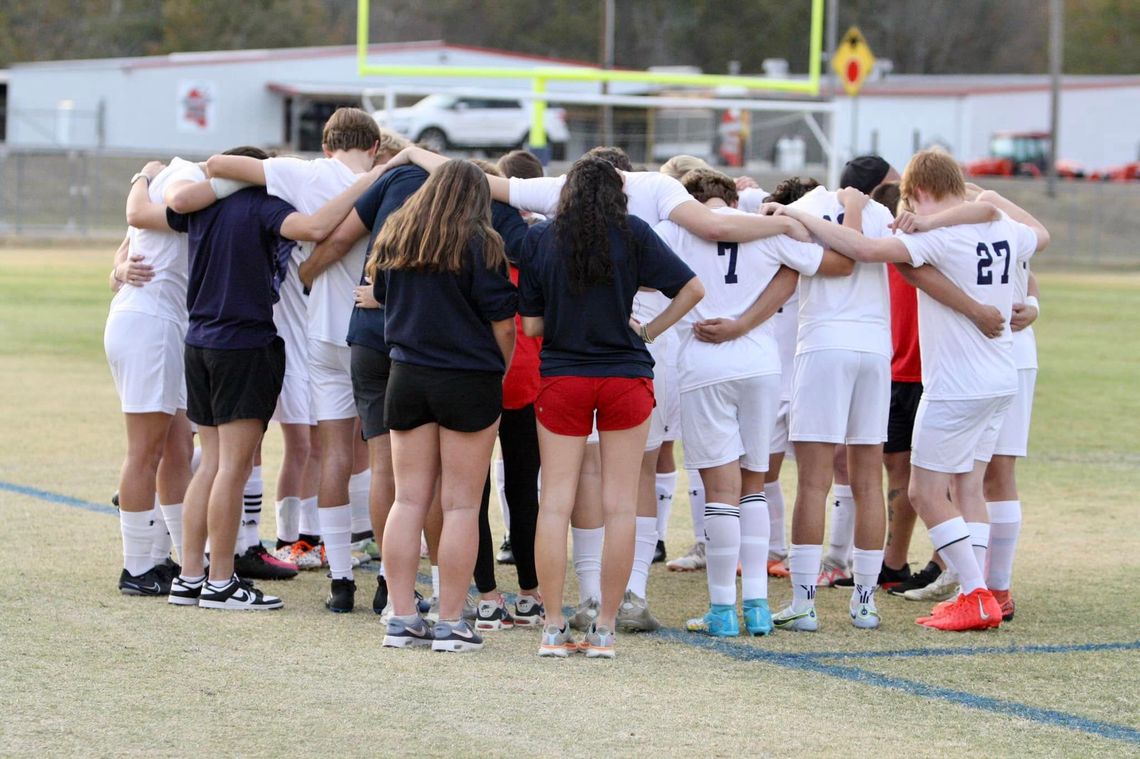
{"x":733,"y":275}
{"x":958,"y":361}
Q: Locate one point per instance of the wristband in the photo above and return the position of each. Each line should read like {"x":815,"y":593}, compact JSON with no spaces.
{"x":1032,"y":301}
{"x":135,"y":178}
{"x":223,"y":187}
{"x":645,"y":335}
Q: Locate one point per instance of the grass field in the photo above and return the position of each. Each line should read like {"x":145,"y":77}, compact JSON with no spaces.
{"x":85,"y":670}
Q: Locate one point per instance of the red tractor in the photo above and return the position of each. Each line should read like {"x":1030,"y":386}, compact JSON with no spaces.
{"x":1020,"y":154}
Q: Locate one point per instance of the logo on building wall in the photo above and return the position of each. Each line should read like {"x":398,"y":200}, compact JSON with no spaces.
{"x":197,"y":106}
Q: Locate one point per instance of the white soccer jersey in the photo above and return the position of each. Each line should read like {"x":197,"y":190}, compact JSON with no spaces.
{"x":168,"y":252}
{"x":751,"y":199}
{"x":1024,"y":342}
{"x":734,"y":275}
{"x":308,"y":185}
{"x":958,"y":361}
{"x":848,"y":313}
{"x":291,"y":316}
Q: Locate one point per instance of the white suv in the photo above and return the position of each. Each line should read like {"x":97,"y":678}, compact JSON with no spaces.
{"x":448,"y":121}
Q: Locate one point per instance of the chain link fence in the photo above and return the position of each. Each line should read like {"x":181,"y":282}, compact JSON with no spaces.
{"x":77,"y":194}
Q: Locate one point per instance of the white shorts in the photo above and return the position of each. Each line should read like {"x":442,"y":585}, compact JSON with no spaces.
{"x":779,"y":442}
{"x":330,"y":377}
{"x":295,"y":403}
{"x":840,"y":396}
{"x":1013,"y":437}
{"x":672,"y":390}
{"x":730,"y":421}
{"x":146,"y":357}
{"x":949,"y":436}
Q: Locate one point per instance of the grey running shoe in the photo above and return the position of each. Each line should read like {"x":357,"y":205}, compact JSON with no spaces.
{"x":634,"y":615}
{"x":557,"y":643}
{"x":455,"y":636}
{"x":401,"y":634}
{"x":598,"y":643}
{"x":584,"y":615}
{"x":693,"y":561}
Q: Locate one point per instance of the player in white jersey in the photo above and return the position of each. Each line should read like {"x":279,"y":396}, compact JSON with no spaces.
{"x":143,"y":342}
{"x":730,"y":392}
{"x":1003,"y":504}
{"x":350,"y":139}
{"x":968,"y":379}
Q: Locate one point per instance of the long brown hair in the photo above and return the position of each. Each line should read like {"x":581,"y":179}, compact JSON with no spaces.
{"x":592,"y":199}
{"x":432,"y":229}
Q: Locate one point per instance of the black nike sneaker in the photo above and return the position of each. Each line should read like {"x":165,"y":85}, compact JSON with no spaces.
{"x":380,"y":600}
{"x":888,"y":578}
{"x":150,"y":583}
{"x":659,"y":552}
{"x":917,"y":580}
{"x":238,"y":595}
{"x":342,"y":596}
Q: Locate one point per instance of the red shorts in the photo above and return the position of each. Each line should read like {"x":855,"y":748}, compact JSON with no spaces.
{"x":566,"y":405}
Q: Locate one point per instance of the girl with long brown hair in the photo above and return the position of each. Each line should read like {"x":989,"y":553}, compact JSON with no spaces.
{"x":439,"y":269}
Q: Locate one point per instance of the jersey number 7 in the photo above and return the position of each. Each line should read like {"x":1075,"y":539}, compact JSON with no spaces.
{"x":730,"y":249}
{"x":986,"y":260}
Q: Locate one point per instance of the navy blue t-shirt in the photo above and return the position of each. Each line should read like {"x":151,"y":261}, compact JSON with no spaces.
{"x":233,"y":260}
{"x":381,"y":200}
{"x":587,"y":334}
{"x":442,"y":319}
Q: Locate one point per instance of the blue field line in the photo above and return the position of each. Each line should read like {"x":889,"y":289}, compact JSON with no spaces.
{"x":65,"y":500}
{"x":812,"y":663}
{"x":907,"y":653}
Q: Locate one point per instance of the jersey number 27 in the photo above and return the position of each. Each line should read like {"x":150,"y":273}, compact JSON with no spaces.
{"x":986,"y":260}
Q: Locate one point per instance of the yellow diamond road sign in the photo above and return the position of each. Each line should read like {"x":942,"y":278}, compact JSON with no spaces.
{"x":853,"y":61}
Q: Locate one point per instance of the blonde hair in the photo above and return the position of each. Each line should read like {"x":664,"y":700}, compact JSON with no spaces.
{"x":680,"y":165}
{"x":390,"y":143}
{"x":486,"y":166}
{"x":934,"y":172}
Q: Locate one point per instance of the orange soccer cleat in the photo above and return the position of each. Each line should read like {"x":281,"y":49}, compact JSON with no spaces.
{"x":978,"y":610}
{"x":777,"y":568}
{"x":1004,"y":598}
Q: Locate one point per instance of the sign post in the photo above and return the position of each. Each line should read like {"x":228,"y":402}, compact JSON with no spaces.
{"x":853,"y":62}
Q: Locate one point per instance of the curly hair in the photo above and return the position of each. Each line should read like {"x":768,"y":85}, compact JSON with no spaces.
{"x":591,"y":201}
{"x":791,"y":190}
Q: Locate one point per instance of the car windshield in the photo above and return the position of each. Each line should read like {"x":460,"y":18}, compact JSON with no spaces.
{"x":436,"y":102}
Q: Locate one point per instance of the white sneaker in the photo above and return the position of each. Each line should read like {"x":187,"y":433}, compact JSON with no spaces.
{"x":830,"y":573}
{"x":238,"y":595}
{"x":799,"y":621}
{"x":470,"y":610}
{"x":864,"y":616}
{"x":585,"y":615}
{"x":693,"y":561}
{"x":943,"y":588}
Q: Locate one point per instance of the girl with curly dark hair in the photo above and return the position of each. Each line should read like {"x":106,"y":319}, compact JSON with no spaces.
{"x":580,"y":273}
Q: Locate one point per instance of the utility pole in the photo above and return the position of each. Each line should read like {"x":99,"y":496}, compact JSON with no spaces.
{"x":607,"y":62}
{"x":1056,"y":52}
{"x":832,"y":21}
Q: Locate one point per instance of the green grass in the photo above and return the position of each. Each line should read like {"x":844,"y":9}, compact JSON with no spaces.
{"x":83,"y":669}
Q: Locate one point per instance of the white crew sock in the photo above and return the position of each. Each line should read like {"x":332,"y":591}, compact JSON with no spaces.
{"x":1005,"y":526}
{"x":336,"y":530}
{"x":359,"y":485}
{"x":722,"y":531}
{"x":774,"y":495}
{"x":160,"y":537}
{"x":666,"y":485}
{"x":644,"y":546}
{"x":697,"y":503}
{"x":842,"y":537}
{"x":288,"y":511}
{"x":952,"y":541}
{"x":804,"y":565}
{"x":435,"y":581}
{"x":587,"y":552}
{"x":251,"y":511}
{"x":501,"y":489}
{"x":172,"y":515}
{"x":866,"y":564}
{"x":980,"y":541}
{"x":138,"y":535}
{"x":309,"y":523}
{"x":754,"y":526}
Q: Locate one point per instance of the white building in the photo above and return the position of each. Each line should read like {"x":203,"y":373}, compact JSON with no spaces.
{"x":205,"y":102}
{"x":1100,"y":116}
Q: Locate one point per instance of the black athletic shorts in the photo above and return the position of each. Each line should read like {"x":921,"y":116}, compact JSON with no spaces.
{"x":370,"y":370}
{"x":900,"y":423}
{"x":455,"y":399}
{"x":227,"y":385}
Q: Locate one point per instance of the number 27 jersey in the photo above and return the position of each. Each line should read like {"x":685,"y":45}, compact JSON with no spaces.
{"x":958,"y":361}
{"x":733,"y":275}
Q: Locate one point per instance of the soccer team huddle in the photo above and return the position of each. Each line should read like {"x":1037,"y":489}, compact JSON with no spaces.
{"x":397,"y":313}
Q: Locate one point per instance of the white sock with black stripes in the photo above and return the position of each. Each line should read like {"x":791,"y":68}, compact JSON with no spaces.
{"x":754,"y":528}
{"x":251,"y":511}
{"x":697,"y":504}
{"x":980,"y":542}
{"x":952,"y":541}
{"x":722,"y":538}
{"x":803,"y":564}
{"x":665,"y":485}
